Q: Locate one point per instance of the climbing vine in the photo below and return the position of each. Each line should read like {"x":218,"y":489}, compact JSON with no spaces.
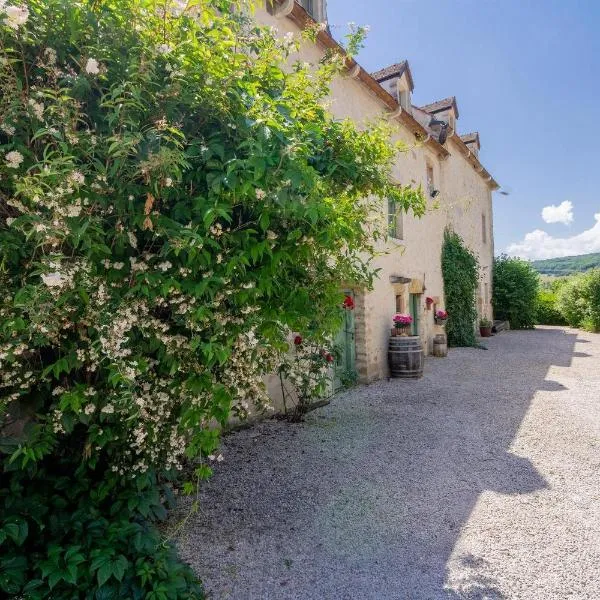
{"x":175,"y":204}
{"x":460,"y":270}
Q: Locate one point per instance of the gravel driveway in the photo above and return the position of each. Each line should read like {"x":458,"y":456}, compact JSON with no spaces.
{"x":480,"y":481}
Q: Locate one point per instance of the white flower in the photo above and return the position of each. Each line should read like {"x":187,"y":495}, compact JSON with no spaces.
{"x":73,"y":210}
{"x":77,"y":177}
{"x":16,"y":16}
{"x":271,"y":235}
{"x":8,"y":129}
{"x":13,"y":159}
{"x":132,"y":239}
{"x":164,"y":49}
{"x":164,"y":266}
{"x":168,"y":182}
{"x":50,"y":55}
{"x":54,"y":279}
{"x":109,"y":409}
{"x":260,"y":194}
{"x":118,"y":265}
{"x":92,"y":66}
{"x":89,"y":409}
{"x":9,"y":221}
{"x":37,"y":108}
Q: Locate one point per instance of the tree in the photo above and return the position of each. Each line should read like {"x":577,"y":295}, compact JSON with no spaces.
{"x":515,"y":292}
{"x":174,"y":202}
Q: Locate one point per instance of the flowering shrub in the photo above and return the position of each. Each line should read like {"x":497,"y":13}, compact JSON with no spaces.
{"x":441,"y":315}
{"x":402,"y":320}
{"x":173,"y":203}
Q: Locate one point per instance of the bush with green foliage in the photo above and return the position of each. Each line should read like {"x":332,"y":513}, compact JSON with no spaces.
{"x":460,"y":270}
{"x":174,"y":203}
{"x":547,"y":312}
{"x":515,"y":289}
{"x":578,"y":300}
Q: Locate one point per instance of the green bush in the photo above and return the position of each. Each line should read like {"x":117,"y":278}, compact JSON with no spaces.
{"x":547,"y":312}
{"x":460,"y":271}
{"x":515,"y":291}
{"x":578,"y":300}
{"x":174,"y":203}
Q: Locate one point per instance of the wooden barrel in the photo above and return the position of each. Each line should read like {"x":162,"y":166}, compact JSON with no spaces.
{"x":440,"y":345}
{"x":405,"y":357}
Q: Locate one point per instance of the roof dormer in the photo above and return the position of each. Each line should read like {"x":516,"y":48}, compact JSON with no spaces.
{"x":397,"y":81}
{"x":472,"y":142}
{"x":443,"y":110}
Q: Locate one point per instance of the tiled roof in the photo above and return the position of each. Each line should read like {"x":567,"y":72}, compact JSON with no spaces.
{"x":441,"y":105}
{"x":396,"y":70}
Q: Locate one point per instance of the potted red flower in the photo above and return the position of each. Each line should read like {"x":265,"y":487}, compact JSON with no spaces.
{"x":441,"y":316}
{"x":402,"y":324}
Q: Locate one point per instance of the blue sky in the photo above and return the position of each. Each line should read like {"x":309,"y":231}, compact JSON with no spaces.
{"x":526,"y":75}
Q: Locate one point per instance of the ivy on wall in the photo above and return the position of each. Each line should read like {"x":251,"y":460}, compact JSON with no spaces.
{"x":460,"y":270}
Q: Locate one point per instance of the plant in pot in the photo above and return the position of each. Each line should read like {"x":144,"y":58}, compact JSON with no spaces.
{"x":440,"y":316}
{"x":402,"y":323}
{"x":485,"y":327}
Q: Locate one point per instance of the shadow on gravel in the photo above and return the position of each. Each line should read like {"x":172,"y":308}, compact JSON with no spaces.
{"x":367,"y":499}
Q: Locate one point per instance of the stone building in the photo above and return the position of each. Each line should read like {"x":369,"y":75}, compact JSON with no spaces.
{"x":445,"y":163}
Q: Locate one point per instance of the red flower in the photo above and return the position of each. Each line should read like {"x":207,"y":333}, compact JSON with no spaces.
{"x":429,"y":300}
{"x":329,"y":357}
{"x":297,"y":340}
{"x":349,"y":303}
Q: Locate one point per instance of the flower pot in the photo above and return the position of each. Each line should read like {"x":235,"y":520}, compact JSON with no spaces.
{"x":485,"y":331}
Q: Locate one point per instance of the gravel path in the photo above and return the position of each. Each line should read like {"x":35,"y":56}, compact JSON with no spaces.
{"x":480,"y":481}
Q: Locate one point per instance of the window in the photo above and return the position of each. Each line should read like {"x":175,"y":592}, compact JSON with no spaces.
{"x":404,"y":99}
{"x":399,"y":303}
{"x":430,"y":182}
{"x":308,"y":6}
{"x":395,"y":222}
{"x":486,"y":293}
{"x":483,"y":228}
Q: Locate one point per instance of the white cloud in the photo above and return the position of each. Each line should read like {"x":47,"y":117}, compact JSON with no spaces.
{"x":539,"y":244}
{"x":563,"y":213}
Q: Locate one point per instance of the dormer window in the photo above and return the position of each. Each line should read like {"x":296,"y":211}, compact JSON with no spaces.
{"x":315,"y":8}
{"x":404,"y":98}
{"x":397,"y":80}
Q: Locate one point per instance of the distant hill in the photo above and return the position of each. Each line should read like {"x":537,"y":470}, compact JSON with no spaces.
{"x":567,"y":265}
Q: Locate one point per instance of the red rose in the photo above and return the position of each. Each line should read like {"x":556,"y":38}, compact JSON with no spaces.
{"x":329,"y":357}
{"x":348,"y":302}
{"x":297,"y":340}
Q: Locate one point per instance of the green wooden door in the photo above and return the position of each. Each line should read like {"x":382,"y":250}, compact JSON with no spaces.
{"x":345,"y":364}
{"x":415,"y":308}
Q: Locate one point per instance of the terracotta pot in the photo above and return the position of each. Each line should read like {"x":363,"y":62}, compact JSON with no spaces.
{"x":485,"y":331}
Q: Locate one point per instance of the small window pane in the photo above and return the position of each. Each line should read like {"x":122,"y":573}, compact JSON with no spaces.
{"x":392,"y":219}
